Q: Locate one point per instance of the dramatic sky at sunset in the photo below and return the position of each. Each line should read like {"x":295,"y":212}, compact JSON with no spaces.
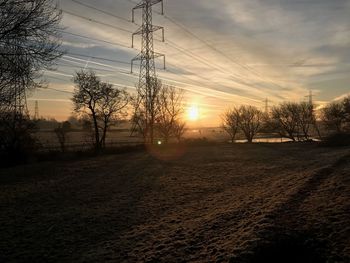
{"x":223,"y":52}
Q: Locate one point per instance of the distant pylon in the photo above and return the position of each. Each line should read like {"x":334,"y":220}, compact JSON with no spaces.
{"x":311,"y":97}
{"x":147,"y":78}
{"x":36,"y":114}
{"x":267,"y":105}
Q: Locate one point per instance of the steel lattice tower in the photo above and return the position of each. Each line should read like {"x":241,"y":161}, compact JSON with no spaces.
{"x":18,"y":100}
{"x":36,"y":114}
{"x":266,"y":105}
{"x":147,"y":78}
{"x":311,"y":97}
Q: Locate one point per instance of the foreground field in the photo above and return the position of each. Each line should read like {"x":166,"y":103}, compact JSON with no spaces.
{"x":238,"y":203}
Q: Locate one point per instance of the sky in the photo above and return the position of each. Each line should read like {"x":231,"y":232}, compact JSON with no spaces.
{"x":223,"y":53}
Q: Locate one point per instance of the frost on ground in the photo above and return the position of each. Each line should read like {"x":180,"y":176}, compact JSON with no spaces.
{"x":223,"y":203}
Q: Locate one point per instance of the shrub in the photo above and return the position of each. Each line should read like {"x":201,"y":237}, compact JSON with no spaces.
{"x":17,"y":143}
{"x":337,"y":140}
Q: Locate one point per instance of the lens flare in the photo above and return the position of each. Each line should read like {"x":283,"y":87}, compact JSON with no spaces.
{"x":193,"y":113}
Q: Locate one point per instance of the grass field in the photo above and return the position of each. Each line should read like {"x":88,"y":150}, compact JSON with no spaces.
{"x":213,"y":203}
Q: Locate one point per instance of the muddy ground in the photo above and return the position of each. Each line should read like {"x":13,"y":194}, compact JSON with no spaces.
{"x":214,"y":203}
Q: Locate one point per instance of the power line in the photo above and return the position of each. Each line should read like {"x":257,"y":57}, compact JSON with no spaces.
{"x":102,"y":64}
{"x":171,"y":82}
{"x":57,"y":90}
{"x":212,"y":65}
{"x":99,"y":58}
{"x":95,"y":39}
{"x":199,"y":84}
{"x":196,"y":84}
{"x":100,"y":10}
{"x":70,"y":76}
{"x":72,"y":66}
{"x":115,"y":69}
{"x":186,"y":30}
{"x":96,"y":21}
{"x":173,"y":44}
{"x":99,"y":70}
{"x":217,"y":50}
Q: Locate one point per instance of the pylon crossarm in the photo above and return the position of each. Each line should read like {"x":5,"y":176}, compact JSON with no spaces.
{"x":140,"y":31}
{"x":140,"y":5}
{"x":157,"y":55}
{"x":156,"y":28}
{"x":132,"y":63}
{"x":149,"y":3}
{"x":154,"y":2}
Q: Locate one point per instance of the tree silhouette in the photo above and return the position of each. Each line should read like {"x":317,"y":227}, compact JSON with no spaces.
{"x":169,"y":102}
{"x":230,"y":123}
{"x":100,"y":101}
{"x":29,"y":33}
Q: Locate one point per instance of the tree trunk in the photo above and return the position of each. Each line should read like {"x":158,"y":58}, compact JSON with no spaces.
{"x":318,"y":131}
{"x":97,"y":133}
{"x":103,"y":139}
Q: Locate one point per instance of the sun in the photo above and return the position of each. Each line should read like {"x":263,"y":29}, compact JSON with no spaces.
{"x":193,"y":113}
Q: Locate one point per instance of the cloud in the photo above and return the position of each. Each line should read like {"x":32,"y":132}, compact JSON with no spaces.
{"x":341,"y":97}
{"x":224,"y":52}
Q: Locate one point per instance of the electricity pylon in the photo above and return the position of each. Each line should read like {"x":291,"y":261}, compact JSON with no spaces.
{"x":310,"y":97}
{"x":36,"y":114}
{"x":147,"y":55}
{"x":147,"y":87}
{"x":18,"y":98}
{"x":266,"y":105}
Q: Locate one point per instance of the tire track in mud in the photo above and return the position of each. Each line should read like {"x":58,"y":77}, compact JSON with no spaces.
{"x":284,"y":224}
{"x":296,"y":199}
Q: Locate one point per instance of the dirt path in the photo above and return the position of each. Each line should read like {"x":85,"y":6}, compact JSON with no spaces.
{"x":210,"y":204}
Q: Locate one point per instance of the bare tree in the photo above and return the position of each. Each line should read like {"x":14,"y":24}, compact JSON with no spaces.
{"x":86,"y":97}
{"x":179,"y":130}
{"x":16,"y":138}
{"x":61,"y":133}
{"x":29,"y":33}
{"x":230,"y":121}
{"x":169,"y":103}
{"x":139,"y":120}
{"x":285,"y":118}
{"x":306,"y":118}
{"x":249,"y":121}
{"x":100,"y":101}
{"x":333,"y":116}
{"x":111,"y":107}
{"x":29,"y":30}
{"x":146,"y":109}
{"x":346,"y":108}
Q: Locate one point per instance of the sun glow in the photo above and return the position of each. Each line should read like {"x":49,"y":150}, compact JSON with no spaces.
{"x":193,"y":113}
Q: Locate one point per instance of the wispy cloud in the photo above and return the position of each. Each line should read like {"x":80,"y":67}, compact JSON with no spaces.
{"x":230,"y":52}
